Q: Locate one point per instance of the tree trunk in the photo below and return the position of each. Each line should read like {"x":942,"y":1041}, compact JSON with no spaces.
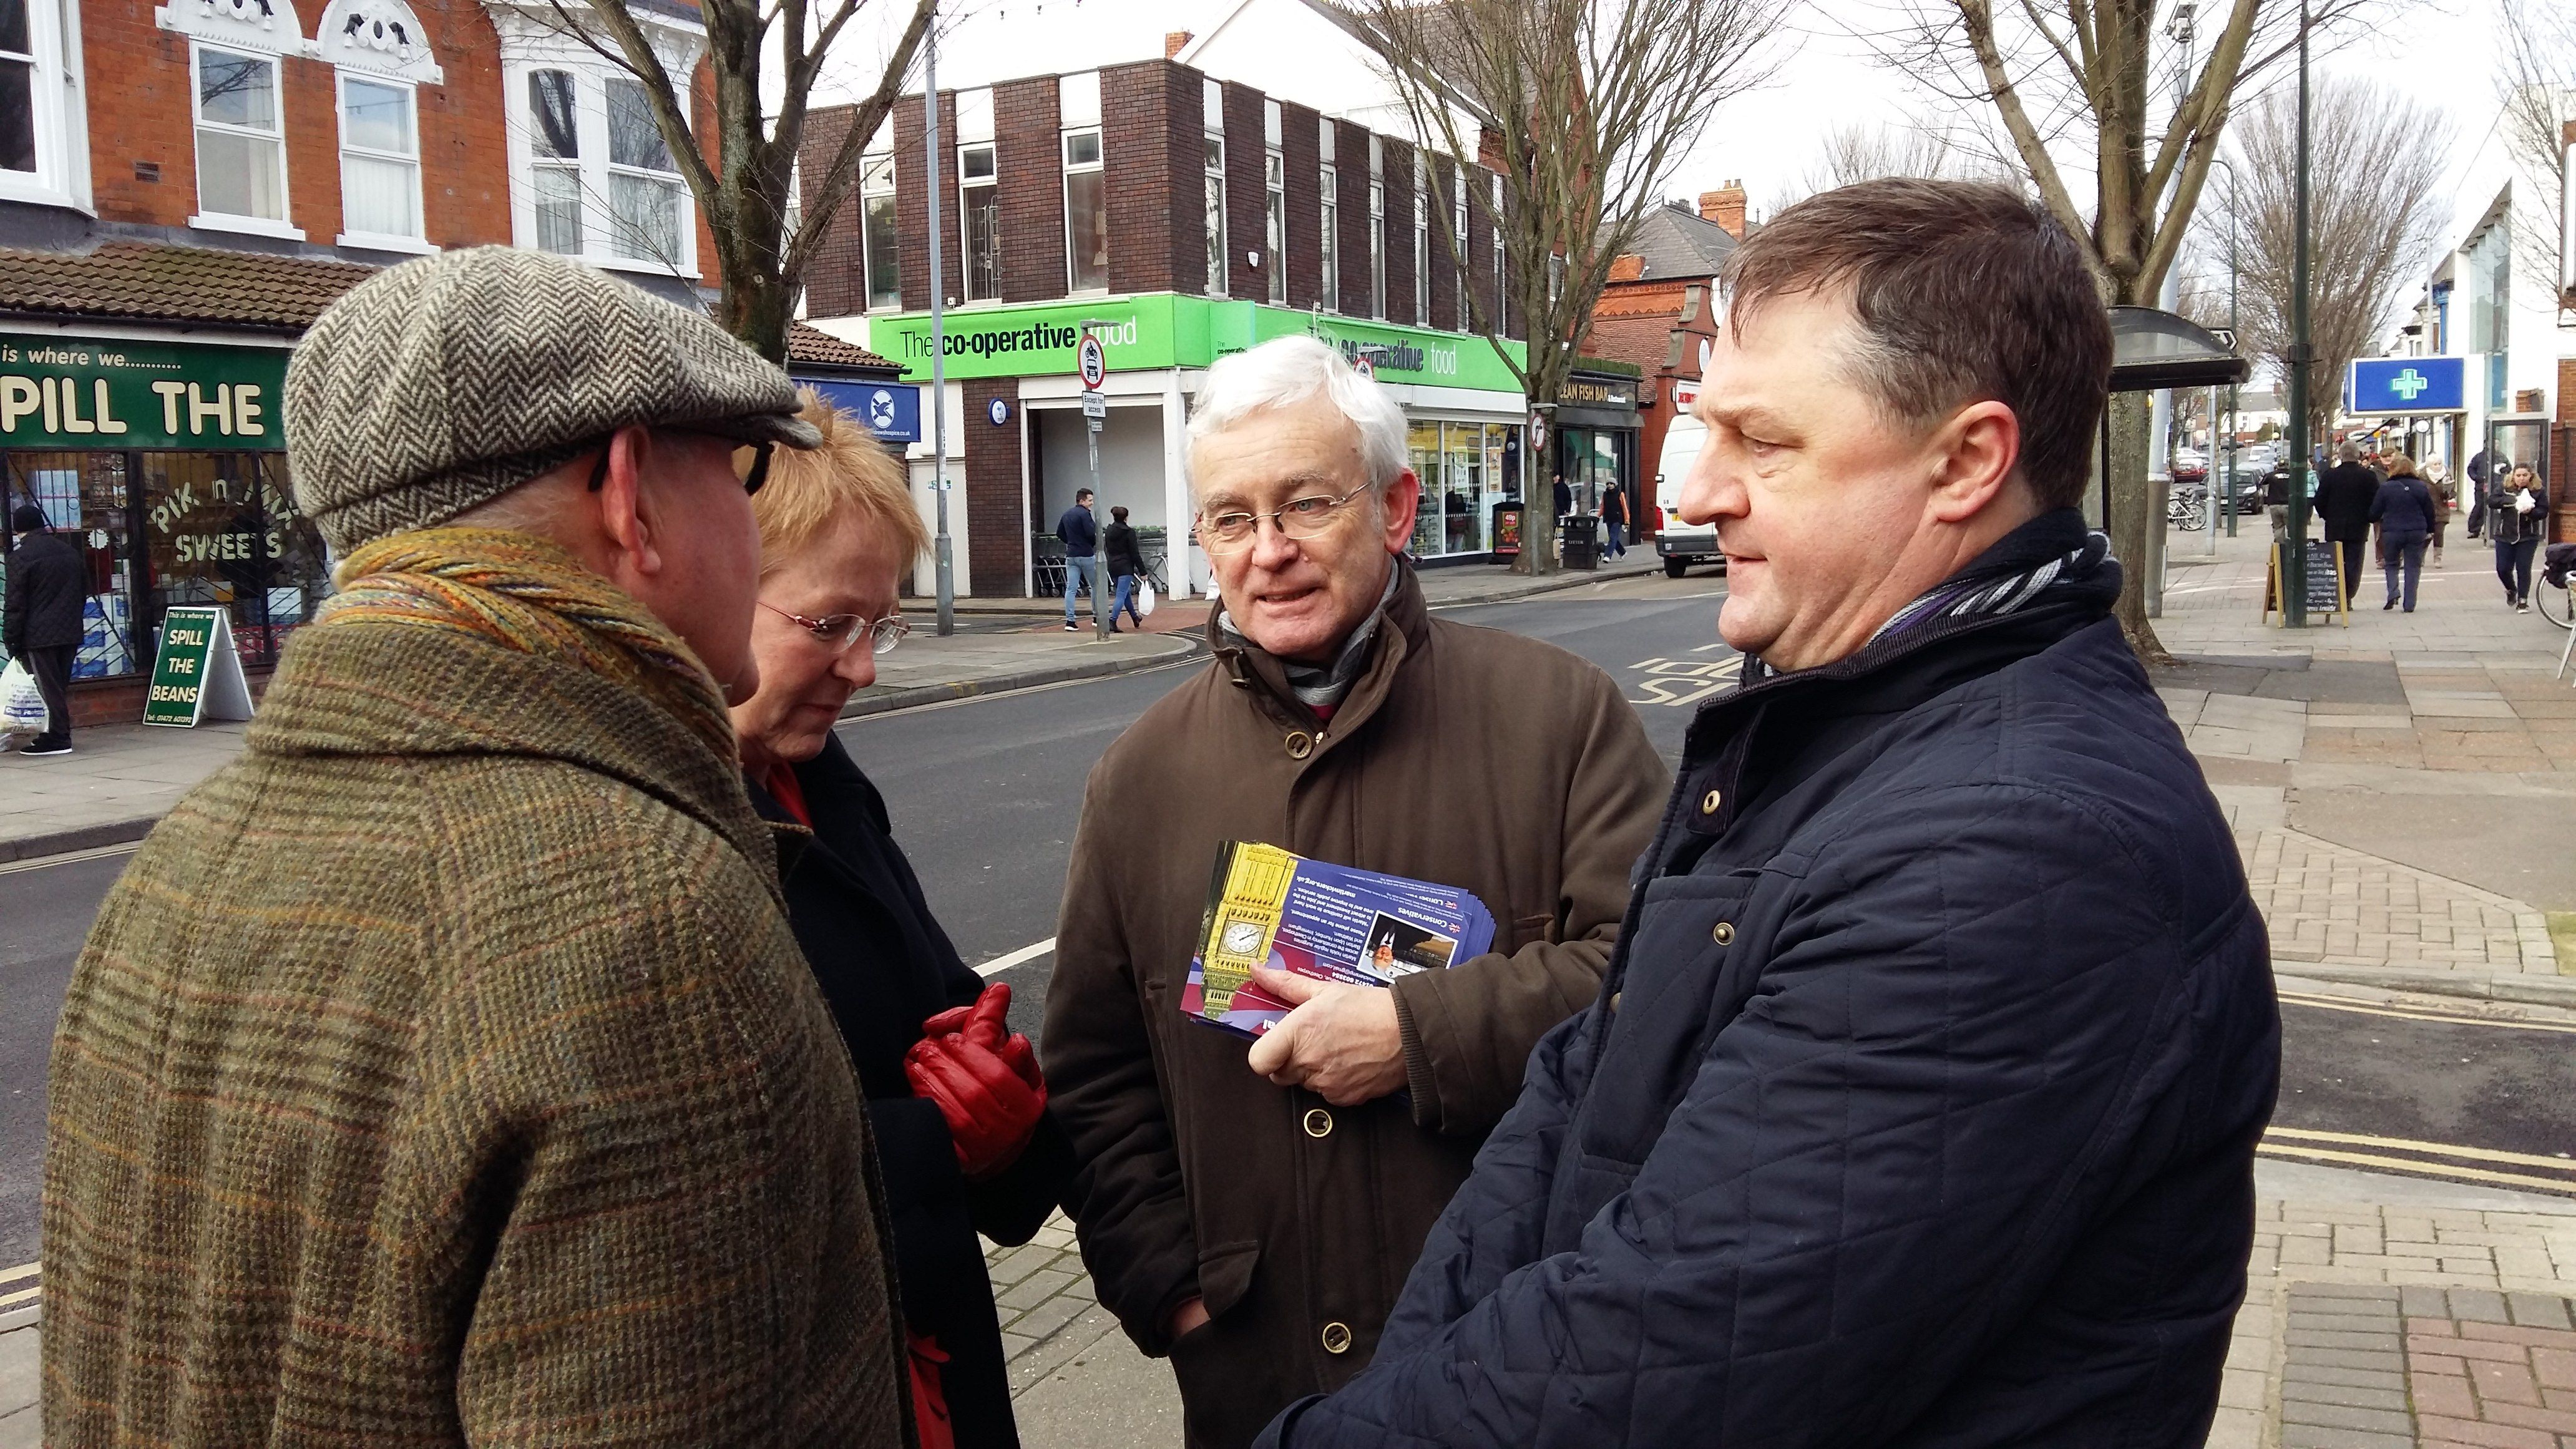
{"x":2131,"y":423}
{"x":757,"y":309}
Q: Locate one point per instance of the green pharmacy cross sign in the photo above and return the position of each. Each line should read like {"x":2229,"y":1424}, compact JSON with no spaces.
{"x":2410,"y":384}
{"x":86,"y":392}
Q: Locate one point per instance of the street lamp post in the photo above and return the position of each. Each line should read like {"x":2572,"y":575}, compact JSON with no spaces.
{"x":944,"y":548}
{"x":2294,"y":569}
{"x":2234,"y":224}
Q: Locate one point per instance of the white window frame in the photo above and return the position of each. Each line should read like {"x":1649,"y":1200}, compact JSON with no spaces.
{"x":872,"y":166}
{"x":1274,"y":176}
{"x":375,"y":240}
{"x":612,"y":168}
{"x":1458,"y":207}
{"x":60,"y":118}
{"x":283,"y":226}
{"x":1328,"y":294}
{"x":1377,"y":246}
{"x":965,"y":237}
{"x":1213,"y":203}
{"x":1502,"y":273}
{"x":1421,"y":244}
{"x":1097,"y":165}
{"x":532,"y":39}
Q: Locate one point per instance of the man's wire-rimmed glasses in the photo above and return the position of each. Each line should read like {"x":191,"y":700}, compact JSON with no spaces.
{"x":1300,"y":518}
{"x":837,"y":632}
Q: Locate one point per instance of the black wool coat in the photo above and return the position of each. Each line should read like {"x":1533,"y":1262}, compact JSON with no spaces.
{"x":48,"y":579}
{"x":1918,"y":1108}
{"x":2344,"y":495}
{"x":885,"y":966}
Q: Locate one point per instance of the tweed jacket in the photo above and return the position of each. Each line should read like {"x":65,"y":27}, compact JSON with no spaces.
{"x":443,"y":1071}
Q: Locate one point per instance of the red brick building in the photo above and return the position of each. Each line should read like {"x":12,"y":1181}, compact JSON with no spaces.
{"x":1180,"y":215}
{"x":1659,"y":312}
{"x":182,"y":189}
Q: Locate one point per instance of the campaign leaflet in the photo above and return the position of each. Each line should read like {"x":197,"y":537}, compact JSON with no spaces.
{"x":1267,"y":907}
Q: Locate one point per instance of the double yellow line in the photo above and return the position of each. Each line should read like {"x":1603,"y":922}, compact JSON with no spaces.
{"x":12,"y":1296}
{"x":2438,"y":1159}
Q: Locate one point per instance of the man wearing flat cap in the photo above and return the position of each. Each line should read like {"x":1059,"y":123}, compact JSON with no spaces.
{"x":443,"y":1070}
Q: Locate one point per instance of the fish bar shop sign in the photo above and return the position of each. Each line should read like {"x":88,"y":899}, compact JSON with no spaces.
{"x":105,"y":393}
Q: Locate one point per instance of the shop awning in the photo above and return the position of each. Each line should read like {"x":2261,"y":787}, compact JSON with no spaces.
{"x":2153,"y":349}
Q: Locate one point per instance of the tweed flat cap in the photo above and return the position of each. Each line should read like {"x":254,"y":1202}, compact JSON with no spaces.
{"x":447,"y":381}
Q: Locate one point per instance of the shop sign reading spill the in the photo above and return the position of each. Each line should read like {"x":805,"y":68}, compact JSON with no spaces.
{"x":86,"y":393}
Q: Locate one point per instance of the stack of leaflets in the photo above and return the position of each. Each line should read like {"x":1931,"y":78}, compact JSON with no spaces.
{"x":1267,"y":907}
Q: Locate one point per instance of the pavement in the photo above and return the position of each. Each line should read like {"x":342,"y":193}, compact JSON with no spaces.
{"x":121,"y":778}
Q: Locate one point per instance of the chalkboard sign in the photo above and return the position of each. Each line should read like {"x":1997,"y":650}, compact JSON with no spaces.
{"x":197,"y":674}
{"x":2321,"y":589}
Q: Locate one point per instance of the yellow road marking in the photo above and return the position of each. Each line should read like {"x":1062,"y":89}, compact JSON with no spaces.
{"x":23,"y":1295}
{"x":23,"y":1270}
{"x":2416,"y":1165}
{"x":2375,"y":1008}
{"x":2443,"y":1149}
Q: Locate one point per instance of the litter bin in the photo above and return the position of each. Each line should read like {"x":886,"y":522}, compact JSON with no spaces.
{"x":1507,"y":530}
{"x":1582,"y":535}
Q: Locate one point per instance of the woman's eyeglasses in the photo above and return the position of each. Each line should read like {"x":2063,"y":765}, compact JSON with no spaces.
{"x":837,"y":632}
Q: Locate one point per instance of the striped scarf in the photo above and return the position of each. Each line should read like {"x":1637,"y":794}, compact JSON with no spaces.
{"x":2000,"y":588}
{"x":531,"y":595}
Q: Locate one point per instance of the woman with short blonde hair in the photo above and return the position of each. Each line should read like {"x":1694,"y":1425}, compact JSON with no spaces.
{"x":955,"y":1100}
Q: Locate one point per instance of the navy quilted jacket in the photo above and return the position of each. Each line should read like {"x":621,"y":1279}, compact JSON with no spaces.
{"x":1920,"y":1101}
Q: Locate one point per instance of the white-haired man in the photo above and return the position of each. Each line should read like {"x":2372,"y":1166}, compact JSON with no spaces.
{"x":1251,"y":1209}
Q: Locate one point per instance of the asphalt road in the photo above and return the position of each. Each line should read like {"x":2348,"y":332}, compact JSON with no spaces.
{"x":985,"y":793}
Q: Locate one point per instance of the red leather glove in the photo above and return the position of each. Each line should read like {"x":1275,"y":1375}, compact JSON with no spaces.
{"x":984,"y":1080}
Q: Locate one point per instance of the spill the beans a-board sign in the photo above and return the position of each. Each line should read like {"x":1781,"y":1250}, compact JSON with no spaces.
{"x":198,"y":674}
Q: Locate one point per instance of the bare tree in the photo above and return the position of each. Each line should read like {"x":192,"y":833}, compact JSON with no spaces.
{"x":2377,"y":161}
{"x":748,"y":190}
{"x":2111,"y":91}
{"x":1584,"y":107}
{"x":1856,"y":152}
{"x":2537,"y":72}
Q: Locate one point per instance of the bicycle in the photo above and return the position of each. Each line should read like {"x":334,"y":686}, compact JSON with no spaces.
{"x":2185,"y":508}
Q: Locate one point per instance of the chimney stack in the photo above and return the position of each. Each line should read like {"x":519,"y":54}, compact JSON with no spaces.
{"x":1725,"y":206}
{"x":1174,"y":42}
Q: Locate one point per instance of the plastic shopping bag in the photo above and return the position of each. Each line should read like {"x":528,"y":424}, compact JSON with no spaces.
{"x":1144,"y":597}
{"x":22,"y":704}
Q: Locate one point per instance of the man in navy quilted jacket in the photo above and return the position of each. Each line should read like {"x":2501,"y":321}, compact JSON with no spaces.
{"x":1920,"y":1100}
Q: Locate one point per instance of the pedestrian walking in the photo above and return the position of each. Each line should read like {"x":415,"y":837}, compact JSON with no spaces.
{"x":2517,"y":519}
{"x":2344,"y":500}
{"x":1919,"y":1104}
{"x":955,"y":1102}
{"x":2446,"y":500}
{"x":2406,"y":516}
{"x":1251,"y":1209}
{"x":2276,"y":500}
{"x":443,"y":1070}
{"x":1080,"y":534}
{"x":1614,"y":519}
{"x":41,"y":622}
{"x":1126,"y":568}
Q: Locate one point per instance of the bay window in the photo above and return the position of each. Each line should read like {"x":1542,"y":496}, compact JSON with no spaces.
{"x":554,"y":146}
{"x":644,"y":184}
{"x":44,"y":151}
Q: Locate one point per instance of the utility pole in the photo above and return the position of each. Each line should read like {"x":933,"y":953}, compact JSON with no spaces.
{"x":2294,"y":568}
{"x":946,"y":556}
{"x":2232,"y":333}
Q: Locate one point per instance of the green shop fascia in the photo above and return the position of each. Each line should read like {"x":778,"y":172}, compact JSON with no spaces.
{"x":1462,"y":400}
{"x":167,"y":460}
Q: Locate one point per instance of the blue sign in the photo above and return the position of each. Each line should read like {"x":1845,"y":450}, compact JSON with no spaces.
{"x":892,"y":410}
{"x":2380,"y":386}
{"x":999,"y":411}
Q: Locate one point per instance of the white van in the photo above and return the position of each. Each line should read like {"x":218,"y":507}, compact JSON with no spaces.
{"x":1682,"y":544}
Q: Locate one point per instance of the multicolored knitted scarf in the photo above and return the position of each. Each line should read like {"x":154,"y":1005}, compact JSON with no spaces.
{"x":529,"y":594}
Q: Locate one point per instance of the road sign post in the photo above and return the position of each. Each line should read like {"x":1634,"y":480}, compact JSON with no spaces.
{"x":1093,"y":361}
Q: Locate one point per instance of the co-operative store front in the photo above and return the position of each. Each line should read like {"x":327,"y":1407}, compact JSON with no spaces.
{"x":1020,"y":446}
{"x":167,"y":461}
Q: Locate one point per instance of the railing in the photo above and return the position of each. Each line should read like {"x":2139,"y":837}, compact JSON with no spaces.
{"x":1046,"y":553}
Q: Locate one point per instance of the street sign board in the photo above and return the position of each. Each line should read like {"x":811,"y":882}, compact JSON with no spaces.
{"x":892,"y":410}
{"x":1093,"y":360}
{"x":198,"y":673}
{"x":1094,"y":405}
{"x":1365,"y":368}
{"x":2382,"y":386}
{"x":2226,"y":337}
